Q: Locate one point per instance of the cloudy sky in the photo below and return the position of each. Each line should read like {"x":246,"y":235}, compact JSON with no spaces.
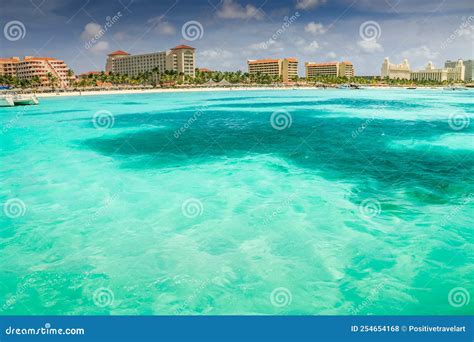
{"x":226,"y":33}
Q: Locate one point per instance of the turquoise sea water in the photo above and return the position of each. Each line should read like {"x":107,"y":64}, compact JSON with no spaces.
{"x":358,"y":202}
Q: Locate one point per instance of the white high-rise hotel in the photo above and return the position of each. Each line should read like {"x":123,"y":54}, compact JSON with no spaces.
{"x":396,"y":71}
{"x":181,"y":59}
{"x":402,"y":71}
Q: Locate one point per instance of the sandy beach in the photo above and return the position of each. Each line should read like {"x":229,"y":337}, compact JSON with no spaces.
{"x":208,"y":89}
{"x":158,"y":90}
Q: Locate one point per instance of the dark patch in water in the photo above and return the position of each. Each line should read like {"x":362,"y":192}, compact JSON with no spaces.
{"x":57,"y":112}
{"x":314,"y":143}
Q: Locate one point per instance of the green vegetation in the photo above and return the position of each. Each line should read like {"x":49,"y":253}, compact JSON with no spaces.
{"x":172,"y":78}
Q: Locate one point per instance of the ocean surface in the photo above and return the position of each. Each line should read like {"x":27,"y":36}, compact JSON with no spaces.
{"x":286,"y":202}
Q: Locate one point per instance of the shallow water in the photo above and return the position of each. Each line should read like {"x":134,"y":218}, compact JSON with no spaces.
{"x":194,"y":203}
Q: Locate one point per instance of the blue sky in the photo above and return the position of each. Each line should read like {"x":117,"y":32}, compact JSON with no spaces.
{"x":231,"y":31}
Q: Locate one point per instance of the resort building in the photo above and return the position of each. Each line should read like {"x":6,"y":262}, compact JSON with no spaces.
{"x":335,"y":69}
{"x":8,"y":66}
{"x":181,"y":59}
{"x":396,"y":71}
{"x":468,"y":65}
{"x":44,"y":69}
{"x":446,"y":74}
{"x":286,"y":68}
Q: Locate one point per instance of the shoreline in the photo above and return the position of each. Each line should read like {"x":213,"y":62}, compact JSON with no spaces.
{"x":208,"y":89}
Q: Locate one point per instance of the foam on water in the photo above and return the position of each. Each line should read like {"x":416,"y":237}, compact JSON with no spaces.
{"x":362,"y":206}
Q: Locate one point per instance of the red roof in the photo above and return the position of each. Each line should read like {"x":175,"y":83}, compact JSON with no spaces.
{"x":118,"y":53}
{"x":323,"y":64}
{"x":204,"y":70}
{"x":257,"y":61}
{"x":9,"y":60}
{"x":179,"y":47}
{"x":328,"y":63}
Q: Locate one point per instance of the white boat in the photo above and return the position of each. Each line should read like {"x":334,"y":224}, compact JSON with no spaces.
{"x":10,"y":100}
{"x":23,"y":100}
{"x":6,"y":101}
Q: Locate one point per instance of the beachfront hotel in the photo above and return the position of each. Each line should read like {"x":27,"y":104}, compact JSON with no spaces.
{"x":336,"y":69}
{"x":181,"y":59}
{"x":396,"y":71}
{"x":31,"y":67}
{"x":455,"y":73}
{"x":286,"y":68}
{"x":468,"y":68}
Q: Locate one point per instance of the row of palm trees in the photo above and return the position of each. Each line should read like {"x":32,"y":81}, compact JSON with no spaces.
{"x":172,"y":78}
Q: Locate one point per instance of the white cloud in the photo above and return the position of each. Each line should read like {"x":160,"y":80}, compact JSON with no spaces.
{"x":311,"y":47}
{"x":216,"y":59}
{"x":233,"y":10}
{"x":90,"y":30}
{"x":370,"y":46}
{"x":315,"y":28}
{"x":331,"y":55}
{"x":212,"y":54}
{"x":422,"y":51}
{"x":100,"y":47}
{"x":162,"y":26}
{"x":306,"y":4}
